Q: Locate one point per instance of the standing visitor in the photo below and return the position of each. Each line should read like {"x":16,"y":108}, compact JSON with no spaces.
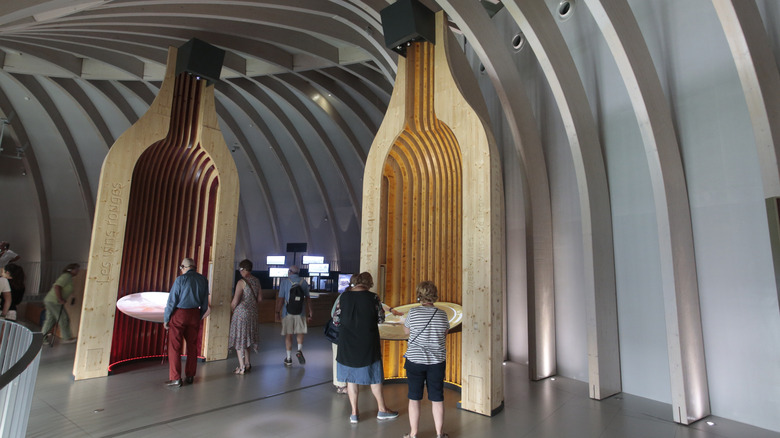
{"x":188,"y":303}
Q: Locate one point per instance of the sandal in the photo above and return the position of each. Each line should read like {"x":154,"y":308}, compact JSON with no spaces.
{"x":248,"y":368}
{"x":239,"y":370}
{"x":341,"y":390}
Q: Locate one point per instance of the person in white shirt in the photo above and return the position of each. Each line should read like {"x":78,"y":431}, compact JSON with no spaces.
{"x":5,"y":296}
{"x":426,"y":355}
{"x":6,"y":255}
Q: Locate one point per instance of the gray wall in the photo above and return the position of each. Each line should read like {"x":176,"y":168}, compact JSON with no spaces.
{"x":738,"y":297}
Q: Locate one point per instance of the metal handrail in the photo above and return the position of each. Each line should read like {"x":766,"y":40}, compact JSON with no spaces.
{"x":20,"y":353}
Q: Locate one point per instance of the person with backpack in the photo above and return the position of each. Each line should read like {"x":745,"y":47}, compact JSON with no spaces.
{"x":293,"y":304}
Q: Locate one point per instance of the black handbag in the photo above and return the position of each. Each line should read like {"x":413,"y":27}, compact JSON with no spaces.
{"x":331,"y":332}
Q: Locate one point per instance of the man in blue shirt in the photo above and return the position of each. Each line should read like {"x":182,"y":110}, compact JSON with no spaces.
{"x":293,"y":324}
{"x":188,"y":303}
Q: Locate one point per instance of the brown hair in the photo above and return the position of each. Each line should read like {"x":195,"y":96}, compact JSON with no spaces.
{"x":245,"y":264}
{"x":364,"y":279}
{"x":427,"y":292}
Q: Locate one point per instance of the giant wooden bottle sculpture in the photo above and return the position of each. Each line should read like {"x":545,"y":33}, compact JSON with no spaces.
{"x":433,"y":210}
{"x":168,"y":190}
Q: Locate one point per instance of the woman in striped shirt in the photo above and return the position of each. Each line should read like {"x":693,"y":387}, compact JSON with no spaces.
{"x":426,"y":355}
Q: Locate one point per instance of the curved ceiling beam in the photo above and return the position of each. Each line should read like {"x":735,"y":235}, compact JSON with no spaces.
{"x":488,"y":44}
{"x":70,"y":64}
{"x":294,"y":82}
{"x":305,"y":113}
{"x":109,"y":89}
{"x":87,"y":107}
{"x":259,"y":121}
{"x":128,"y":48}
{"x":318,"y":80}
{"x":282,"y":14}
{"x":262,"y":42}
{"x":23,"y":12}
{"x":141,"y":90}
{"x":246,"y":149}
{"x":83,"y":47}
{"x":345,"y":79}
{"x":45,"y":100}
{"x":543,"y":35}
{"x":373,"y":78}
{"x":690,"y":393}
{"x":41,"y":206}
{"x":757,"y":68}
{"x":354,"y":30}
{"x":308,"y":160}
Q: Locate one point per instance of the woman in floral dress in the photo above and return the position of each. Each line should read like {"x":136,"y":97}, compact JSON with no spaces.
{"x":244,"y":328}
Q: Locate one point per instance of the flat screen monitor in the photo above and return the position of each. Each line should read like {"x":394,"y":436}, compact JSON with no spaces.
{"x":277,"y":272}
{"x":308,"y":260}
{"x":314,"y":274}
{"x":274,"y":260}
{"x":343,"y":282}
{"x":319,"y":268}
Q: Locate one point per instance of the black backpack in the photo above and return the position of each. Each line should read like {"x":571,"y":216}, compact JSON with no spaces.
{"x":295,"y":299}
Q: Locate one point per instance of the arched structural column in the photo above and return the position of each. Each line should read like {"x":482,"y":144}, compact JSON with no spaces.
{"x":433,"y":195}
{"x":168,"y":190}
{"x":684,"y":338}
{"x":598,"y":259}
{"x":488,"y":44}
{"x":757,"y":69}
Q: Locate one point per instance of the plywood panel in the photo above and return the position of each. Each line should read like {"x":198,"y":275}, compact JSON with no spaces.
{"x":433,"y":209}
{"x":169,"y":195}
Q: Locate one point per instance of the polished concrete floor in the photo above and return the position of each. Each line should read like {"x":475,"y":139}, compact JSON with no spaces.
{"x":274,"y":401}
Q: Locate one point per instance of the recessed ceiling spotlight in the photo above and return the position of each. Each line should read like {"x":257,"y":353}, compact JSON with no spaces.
{"x":565,"y":9}
{"x":518,"y":41}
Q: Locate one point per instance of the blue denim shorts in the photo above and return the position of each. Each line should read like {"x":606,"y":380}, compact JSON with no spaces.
{"x":417,"y":376}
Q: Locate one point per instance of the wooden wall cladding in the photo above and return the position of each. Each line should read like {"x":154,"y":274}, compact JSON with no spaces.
{"x":168,"y":190}
{"x":433,"y":207}
{"x":171,"y":209}
{"x":422,"y":202}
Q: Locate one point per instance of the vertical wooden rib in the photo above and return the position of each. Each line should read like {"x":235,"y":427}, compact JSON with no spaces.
{"x":170,"y":216}
{"x":422,"y":205}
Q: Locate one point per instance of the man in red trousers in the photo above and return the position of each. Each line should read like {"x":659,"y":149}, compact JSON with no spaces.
{"x":188,"y":303}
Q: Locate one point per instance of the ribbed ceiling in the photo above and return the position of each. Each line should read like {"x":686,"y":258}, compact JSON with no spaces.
{"x":304,"y":87}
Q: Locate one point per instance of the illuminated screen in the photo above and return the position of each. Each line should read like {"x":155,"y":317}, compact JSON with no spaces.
{"x":277,"y":272}
{"x":308,"y":260}
{"x":343,"y":282}
{"x":274,"y":260}
{"x":319,"y":268}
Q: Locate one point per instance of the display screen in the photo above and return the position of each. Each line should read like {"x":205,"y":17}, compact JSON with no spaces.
{"x":277,"y":272}
{"x":274,"y":260}
{"x":343,"y":282}
{"x":319,"y":268}
{"x":308,"y":260}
